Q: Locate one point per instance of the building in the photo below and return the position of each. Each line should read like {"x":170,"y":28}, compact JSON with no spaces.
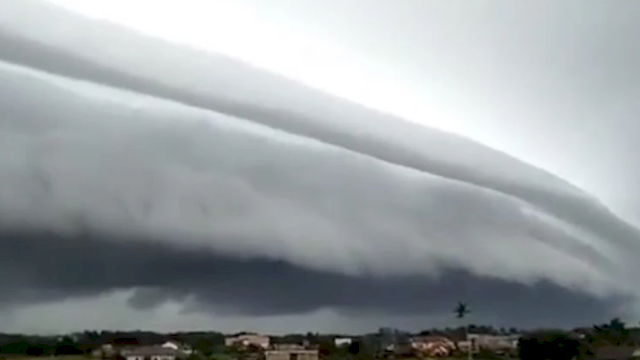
{"x":494,"y":343}
{"x":246,"y":340}
{"x":465,"y":345}
{"x":288,"y":347}
{"x":292,"y":354}
{"x":105,"y":351}
{"x":155,"y":352}
{"x":178,"y":347}
{"x":342,"y":342}
{"x":389,"y":338}
{"x":433,"y":345}
{"x":399,"y":351}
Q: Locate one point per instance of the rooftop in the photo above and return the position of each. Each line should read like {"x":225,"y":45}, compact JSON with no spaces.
{"x":152,"y":350}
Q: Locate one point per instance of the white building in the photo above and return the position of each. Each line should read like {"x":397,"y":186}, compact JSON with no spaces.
{"x":156,"y":352}
{"x":248,"y":339}
{"x":342,"y":342}
{"x":175,"y":346}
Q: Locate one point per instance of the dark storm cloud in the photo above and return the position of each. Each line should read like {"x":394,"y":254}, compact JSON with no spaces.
{"x":88,"y":266}
{"x":196,"y":175}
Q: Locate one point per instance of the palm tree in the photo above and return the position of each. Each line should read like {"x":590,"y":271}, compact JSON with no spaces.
{"x":461,"y":311}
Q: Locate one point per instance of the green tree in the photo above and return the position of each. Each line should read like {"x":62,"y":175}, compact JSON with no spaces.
{"x":615,"y":332}
{"x":205,"y":346}
{"x":38,"y":350}
{"x":16,"y":347}
{"x":354,"y":348}
{"x":327,"y":347}
{"x":220,"y":356}
{"x":550,"y":345}
{"x":67,"y":347}
{"x":194,"y":356}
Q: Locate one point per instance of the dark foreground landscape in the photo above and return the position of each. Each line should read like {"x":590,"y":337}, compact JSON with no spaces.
{"x":611,"y":341}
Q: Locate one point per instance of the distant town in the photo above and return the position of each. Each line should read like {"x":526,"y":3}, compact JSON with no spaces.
{"x":611,"y":341}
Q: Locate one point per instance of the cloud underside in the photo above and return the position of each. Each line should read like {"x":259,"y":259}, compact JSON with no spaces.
{"x":197,"y":177}
{"x":53,"y":269}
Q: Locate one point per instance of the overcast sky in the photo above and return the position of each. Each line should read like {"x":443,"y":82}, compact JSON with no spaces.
{"x":167,"y":186}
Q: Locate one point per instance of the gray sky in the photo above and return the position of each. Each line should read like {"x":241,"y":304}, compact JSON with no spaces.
{"x":494,"y":71}
{"x":239,"y":182}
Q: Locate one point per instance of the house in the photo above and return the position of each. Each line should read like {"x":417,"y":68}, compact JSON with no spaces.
{"x":155,"y":352}
{"x":177,"y":346}
{"x":245,"y":340}
{"x":342,"y":342}
{"x":399,"y":351}
{"x":465,"y":345}
{"x":171,"y":345}
{"x":433,"y":345}
{"x":105,"y":351}
{"x":292,"y":354}
{"x":494,"y":343}
{"x":288,"y":347}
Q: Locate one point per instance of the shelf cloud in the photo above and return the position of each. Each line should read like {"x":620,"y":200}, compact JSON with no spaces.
{"x":131,"y":163}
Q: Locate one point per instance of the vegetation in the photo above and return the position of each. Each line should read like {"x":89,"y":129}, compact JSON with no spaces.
{"x":39,"y":346}
{"x":461,"y":311}
{"x":560,"y":345}
{"x":544,"y":344}
{"x":551,"y":345}
{"x":615,"y":332}
{"x":83,"y":343}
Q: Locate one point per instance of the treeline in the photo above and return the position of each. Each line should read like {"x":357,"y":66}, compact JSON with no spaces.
{"x":38,"y":346}
{"x":206,"y":342}
{"x":87,"y":341}
{"x":211,"y":344}
{"x":582,"y":343}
